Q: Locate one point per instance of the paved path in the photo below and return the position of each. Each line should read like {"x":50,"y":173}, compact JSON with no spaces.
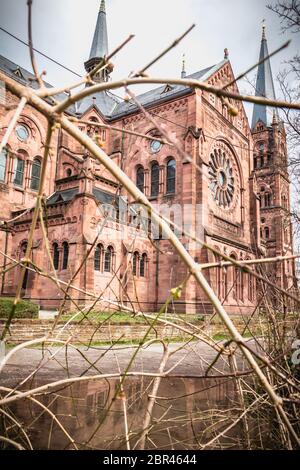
{"x":192,"y":361}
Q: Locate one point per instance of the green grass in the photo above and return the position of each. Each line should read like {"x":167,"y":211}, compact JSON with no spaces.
{"x":24,"y":309}
{"x":125,"y":318}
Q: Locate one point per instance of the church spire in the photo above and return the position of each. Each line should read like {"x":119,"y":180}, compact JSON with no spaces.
{"x":264,"y":85}
{"x":99,"y":48}
{"x":183,"y":71}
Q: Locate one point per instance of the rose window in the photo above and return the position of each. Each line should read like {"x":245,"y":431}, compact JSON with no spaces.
{"x":221,"y":178}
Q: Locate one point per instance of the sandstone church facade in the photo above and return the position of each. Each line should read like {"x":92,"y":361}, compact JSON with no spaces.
{"x":242,"y":186}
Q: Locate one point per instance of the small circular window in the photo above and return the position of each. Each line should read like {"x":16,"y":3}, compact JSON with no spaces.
{"x":155,"y":146}
{"x":22,"y":132}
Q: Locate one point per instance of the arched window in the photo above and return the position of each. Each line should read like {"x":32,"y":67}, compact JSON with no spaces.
{"x":135,"y":262}
{"x":22,"y":255}
{"x":143,"y":265}
{"x":225,"y":282}
{"x":268,"y":200}
{"x":250,"y":286}
{"x":35,"y":174}
{"x":240,"y":283}
{"x":19,"y":165}
{"x":69,"y":172}
{"x":154,"y":179}
{"x":171,"y":176}
{"x":284,"y":202}
{"x":98,"y":257}
{"x":140,"y":178}
{"x":55,"y":256}
{"x":65,"y":255}
{"x":233,"y":273}
{"x":267,"y":233}
{"x":108,"y":259}
{"x":3,"y":160}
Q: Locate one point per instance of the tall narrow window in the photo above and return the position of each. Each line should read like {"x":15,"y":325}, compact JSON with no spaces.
{"x":267,"y":233}
{"x":143,"y":265}
{"x":98,"y":257}
{"x":65,"y":255}
{"x":3,"y":160}
{"x":140,"y":178}
{"x":171,"y":177}
{"x":250,"y":287}
{"x":19,"y":172}
{"x":55,"y":256}
{"x":35,"y":174}
{"x":108,"y":259}
{"x":154,"y":180}
{"x":22,"y":255}
{"x":268,"y":200}
{"x":135,"y":262}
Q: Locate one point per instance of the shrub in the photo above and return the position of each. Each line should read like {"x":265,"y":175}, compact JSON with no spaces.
{"x":25,"y":309}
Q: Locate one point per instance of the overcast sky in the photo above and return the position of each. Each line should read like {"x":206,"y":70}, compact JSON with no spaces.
{"x":63,"y":29}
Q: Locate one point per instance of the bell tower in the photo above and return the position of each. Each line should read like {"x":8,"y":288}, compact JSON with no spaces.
{"x":271,"y":195}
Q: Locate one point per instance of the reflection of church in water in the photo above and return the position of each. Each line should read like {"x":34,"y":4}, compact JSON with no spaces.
{"x":243,"y":188}
{"x":93,"y":413}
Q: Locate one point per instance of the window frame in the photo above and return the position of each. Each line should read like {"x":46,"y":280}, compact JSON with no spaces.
{"x":155,"y":179}
{"x":19,"y":172}
{"x":3,"y":157}
{"x":35,"y":178}
{"x":171,"y":176}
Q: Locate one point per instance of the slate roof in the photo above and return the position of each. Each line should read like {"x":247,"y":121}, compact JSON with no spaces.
{"x":104,"y":197}
{"x":110,"y":106}
{"x":68,"y":195}
{"x":105,"y":102}
{"x":22,"y":76}
{"x":99,"y":47}
{"x":264,"y":87}
{"x":158,"y":95}
{"x":62,"y":196}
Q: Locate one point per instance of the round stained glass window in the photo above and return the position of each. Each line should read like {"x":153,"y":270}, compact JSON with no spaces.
{"x":22,"y":132}
{"x":222,"y":183}
{"x":155,"y":145}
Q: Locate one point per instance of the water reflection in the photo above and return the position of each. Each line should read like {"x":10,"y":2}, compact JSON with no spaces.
{"x":187,"y":413}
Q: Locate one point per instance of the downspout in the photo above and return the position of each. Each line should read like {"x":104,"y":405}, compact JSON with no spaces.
{"x":157,"y":276}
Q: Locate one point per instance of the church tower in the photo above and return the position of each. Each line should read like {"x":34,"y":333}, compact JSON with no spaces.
{"x":99,"y":49}
{"x":271,"y":186}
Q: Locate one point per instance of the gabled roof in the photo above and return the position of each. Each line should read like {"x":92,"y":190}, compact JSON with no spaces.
{"x":104,"y":102}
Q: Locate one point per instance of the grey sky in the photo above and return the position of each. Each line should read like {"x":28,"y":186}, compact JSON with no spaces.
{"x":63,"y":29}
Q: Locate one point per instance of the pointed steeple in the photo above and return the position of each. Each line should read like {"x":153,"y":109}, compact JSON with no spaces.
{"x":264,"y":85}
{"x":99,"y":47}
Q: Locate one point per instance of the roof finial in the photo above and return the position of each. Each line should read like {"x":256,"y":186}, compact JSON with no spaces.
{"x":264,"y":29}
{"x":226,"y":53}
{"x":102,"y":6}
{"x":183,"y":72}
{"x":275,"y":118}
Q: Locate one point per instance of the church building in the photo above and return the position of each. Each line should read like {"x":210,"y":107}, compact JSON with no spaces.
{"x":236,"y":178}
